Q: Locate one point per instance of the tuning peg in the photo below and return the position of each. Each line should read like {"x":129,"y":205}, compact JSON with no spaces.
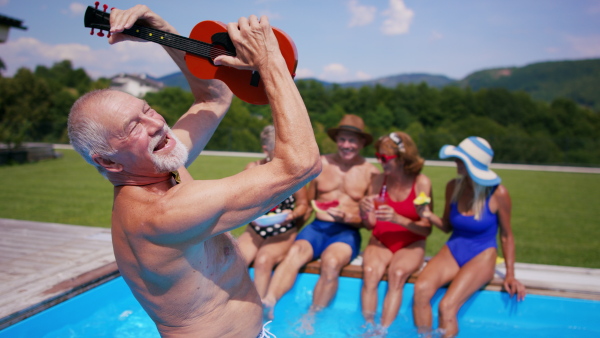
{"x":105,"y":7}
{"x":101,"y":33}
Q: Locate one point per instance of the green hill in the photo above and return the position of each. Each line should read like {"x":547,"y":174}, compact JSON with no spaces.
{"x":392,"y":81}
{"x":175,"y":80}
{"x":576,"y":80}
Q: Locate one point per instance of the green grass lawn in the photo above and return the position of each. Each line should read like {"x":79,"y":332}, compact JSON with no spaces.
{"x":555,"y":215}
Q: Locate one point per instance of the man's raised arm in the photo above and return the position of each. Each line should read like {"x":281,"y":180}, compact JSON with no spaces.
{"x":211,"y":97}
{"x":296,"y":157}
{"x":258,"y":49}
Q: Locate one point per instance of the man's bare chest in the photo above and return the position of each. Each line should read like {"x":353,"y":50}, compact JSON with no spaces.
{"x":353,"y":182}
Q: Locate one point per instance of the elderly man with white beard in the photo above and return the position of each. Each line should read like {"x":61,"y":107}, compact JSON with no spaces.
{"x":169,"y":231}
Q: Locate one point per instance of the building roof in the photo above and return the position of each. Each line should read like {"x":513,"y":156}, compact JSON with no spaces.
{"x":142,"y":79}
{"x":11,"y":22}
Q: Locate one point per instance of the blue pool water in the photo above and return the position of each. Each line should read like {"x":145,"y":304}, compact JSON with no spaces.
{"x":111,"y":311}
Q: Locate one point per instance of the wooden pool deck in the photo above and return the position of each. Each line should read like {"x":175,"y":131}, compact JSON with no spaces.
{"x":43,"y":264}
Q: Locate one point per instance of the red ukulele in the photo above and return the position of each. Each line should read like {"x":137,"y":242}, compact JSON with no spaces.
{"x":207,"y":40}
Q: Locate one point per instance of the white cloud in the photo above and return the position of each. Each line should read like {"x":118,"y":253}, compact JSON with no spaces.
{"x":362,"y":76}
{"x":335,"y":69}
{"x":271,"y":15}
{"x":335,"y":72}
{"x":399,"y":18}
{"x":361,"y":15}
{"x":75,"y":9}
{"x":130,"y":57}
{"x":435,"y":35}
{"x":585,"y":46}
{"x":338,"y":73}
{"x":303,"y":73}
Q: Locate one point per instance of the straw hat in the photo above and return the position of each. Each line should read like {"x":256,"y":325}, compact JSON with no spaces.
{"x":477,"y":155}
{"x":352,"y":123}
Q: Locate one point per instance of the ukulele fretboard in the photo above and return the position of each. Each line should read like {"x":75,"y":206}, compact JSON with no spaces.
{"x":200,"y":48}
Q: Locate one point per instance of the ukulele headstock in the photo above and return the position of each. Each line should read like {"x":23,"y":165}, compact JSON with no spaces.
{"x":95,"y":18}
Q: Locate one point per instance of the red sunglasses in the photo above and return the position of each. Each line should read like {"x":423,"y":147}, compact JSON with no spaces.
{"x":385,"y":158}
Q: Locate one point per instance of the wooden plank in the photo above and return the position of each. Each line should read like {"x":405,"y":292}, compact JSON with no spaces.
{"x":42,"y":262}
{"x":63,"y":267}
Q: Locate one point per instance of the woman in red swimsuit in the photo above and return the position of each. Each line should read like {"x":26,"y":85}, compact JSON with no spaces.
{"x":397,"y":244}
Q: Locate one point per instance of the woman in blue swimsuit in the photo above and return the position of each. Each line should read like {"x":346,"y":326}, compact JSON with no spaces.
{"x":477,"y":206}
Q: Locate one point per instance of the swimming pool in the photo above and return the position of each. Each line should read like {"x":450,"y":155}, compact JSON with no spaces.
{"x":110,"y":310}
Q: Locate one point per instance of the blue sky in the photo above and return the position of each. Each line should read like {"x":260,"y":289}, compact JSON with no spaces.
{"x":337,"y":40}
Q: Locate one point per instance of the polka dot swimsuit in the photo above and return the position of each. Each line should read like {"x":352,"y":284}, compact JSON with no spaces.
{"x":276,"y":229}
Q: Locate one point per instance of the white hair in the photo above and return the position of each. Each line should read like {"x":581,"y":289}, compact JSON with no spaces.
{"x":267,"y":138}
{"x":89,"y":137}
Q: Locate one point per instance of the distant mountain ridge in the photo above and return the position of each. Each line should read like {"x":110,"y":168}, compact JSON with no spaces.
{"x":437,"y":81}
{"x":175,"y":80}
{"x":578,"y":80}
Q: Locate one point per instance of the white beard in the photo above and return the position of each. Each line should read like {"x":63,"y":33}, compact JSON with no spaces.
{"x":171,"y":161}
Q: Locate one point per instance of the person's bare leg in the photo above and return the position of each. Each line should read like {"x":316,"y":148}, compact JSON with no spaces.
{"x":286,"y":272}
{"x":333,"y":259}
{"x":470,"y":278}
{"x":375,"y":260}
{"x":271,"y":252}
{"x":404,"y":262}
{"x":438,"y":271}
{"x":248,"y":244}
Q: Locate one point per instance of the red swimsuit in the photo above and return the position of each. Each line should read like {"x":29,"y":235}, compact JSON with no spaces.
{"x":395,"y":236}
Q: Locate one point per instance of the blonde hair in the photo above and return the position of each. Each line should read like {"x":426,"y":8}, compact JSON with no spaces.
{"x":413,"y":163}
{"x":480,"y":194}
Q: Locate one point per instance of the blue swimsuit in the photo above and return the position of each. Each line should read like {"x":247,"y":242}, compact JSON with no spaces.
{"x":471,"y":237}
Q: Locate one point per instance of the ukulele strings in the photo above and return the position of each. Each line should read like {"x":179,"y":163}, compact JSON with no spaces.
{"x":197,"y":47}
{"x":205,"y":49}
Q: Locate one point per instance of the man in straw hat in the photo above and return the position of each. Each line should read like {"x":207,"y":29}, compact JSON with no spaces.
{"x":333,"y":235}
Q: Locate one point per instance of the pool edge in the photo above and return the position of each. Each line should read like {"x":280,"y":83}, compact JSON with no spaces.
{"x":65,"y":291}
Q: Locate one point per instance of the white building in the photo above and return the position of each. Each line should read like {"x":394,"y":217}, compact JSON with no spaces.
{"x":135,"y":84}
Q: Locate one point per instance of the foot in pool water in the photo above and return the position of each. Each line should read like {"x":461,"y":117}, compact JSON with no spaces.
{"x":307,"y":324}
{"x":375,"y":331}
{"x":431,"y":333}
{"x":268,"y":310}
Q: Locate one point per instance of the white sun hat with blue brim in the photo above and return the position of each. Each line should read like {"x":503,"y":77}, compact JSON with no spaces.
{"x":477,"y":154}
